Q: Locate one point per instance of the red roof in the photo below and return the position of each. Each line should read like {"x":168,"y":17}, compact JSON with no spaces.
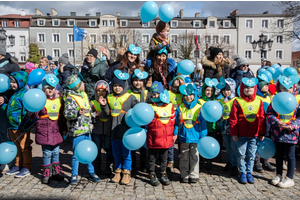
{"x":12,"y":16}
{"x":296,"y":55}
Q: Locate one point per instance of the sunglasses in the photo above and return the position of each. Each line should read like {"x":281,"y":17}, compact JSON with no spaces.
{"x":245,"y":65}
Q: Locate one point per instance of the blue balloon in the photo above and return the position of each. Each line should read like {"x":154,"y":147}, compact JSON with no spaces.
{"x":185,"y":67}
{"x":128,"y":119}
{"x":166,"y":12}
{"x":66,"y":136}
{"x":142,"y":114}
{"x":279,"y":70}
{"x":284,"y":103}
{"x":238,"y":91}
{"x":4,"y":83}
{"x":134,"y":138}
{"x":261,"y":71}
{"x":266,"y":105}
{"x":34,"y":100}
{"x":56,"y":72}
{"x":36,"y":77}
{"x":212,"y":111}
{"x":290,"y":71}
{"x":268,"y":74}
{"x":8,"y":151}
{"x":275,"y":66}
{"x":149,"y":11}
{"x":266,"y":148}
{"x":86,"y":151}
{"x":272,"y":70}
{"x":208,"y":147}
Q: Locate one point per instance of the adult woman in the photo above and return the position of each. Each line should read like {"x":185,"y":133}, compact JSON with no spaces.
{"x":64,"y":71}
{"x":44,"y":64}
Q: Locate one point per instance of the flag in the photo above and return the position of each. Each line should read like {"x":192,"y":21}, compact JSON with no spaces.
{"x":196,"y":40}
{"x":79,"y":34}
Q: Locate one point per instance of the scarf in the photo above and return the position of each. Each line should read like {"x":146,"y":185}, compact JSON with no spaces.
{"x":160,"y":71}
{"x":133,"y":89}
{"x":157,"y":38}
{"x":4,"y":63}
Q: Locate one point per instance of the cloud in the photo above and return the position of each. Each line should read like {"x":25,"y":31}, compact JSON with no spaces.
{"x":5,"y":10}
{"x":296,"y":45}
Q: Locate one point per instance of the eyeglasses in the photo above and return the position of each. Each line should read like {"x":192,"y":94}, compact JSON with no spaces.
{"x":245,"y":65}
{"x":90,"y":56}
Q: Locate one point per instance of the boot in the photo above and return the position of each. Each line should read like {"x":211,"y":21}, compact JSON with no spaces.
{"x":57,"y":172}
{"x":47,"y":173}
{"x":126,"y":177}
{"x":117,"y":177}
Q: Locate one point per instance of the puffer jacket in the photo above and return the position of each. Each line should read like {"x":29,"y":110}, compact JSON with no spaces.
{"x":212,"y":70}
{"x":237,"y":75}
{"x":62,"y":76}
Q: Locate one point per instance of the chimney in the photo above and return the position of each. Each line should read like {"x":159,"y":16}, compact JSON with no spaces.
{"x":22,"y":12}
{"x":118,"y":14}
{"x":233,"y":13}
{"x":48,"y":14}
{"x":181,"y":13}
{"x":87,"y":15}
{"x":38,"y":12}
{"x":197,"y":14}
{"x":53,"y":12}
{"x":73,"y":13}
{"x":139,"y":14}
{"x":266,"y":12}
{"x":98,"y":14}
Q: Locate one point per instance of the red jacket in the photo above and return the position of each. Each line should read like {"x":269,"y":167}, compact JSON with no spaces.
{"x":239,"y":126}
{"x":159,"y":135}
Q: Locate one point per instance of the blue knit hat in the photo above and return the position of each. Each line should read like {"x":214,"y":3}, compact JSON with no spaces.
{"x":49,"y":57}
{"x":156,"y":87}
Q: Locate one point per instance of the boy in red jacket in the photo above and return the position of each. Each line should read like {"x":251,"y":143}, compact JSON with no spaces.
{"x":247,"y":122}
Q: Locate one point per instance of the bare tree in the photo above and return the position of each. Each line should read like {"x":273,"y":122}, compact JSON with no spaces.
{"x":184,"y":45}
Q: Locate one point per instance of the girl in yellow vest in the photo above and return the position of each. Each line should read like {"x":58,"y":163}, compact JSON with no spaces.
{"x":285,"y":134}
{"x":101,"y":130}
{"x":227,"y":87}
{"x":116,"y":105}
{"x":190,"y":126}
{"x":77,"y":112}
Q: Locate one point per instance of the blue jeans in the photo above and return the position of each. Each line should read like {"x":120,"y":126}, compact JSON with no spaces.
{"x":121,"y":154}
{"x":171,"y":154}
{"x":75,"y":162}
{"x":230,"y":146}
{"x":50,"y":152}
{"x":3,"y":127}
{"x":102,"y":142}
{"x":246,"y":149}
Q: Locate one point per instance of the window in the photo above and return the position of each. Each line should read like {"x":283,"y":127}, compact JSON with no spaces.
{"x":216,"y":39}
{"x":265,"y":38}
{"x":265,"y":54}
{"x":4,"y":23}
{"x":41,"y":37}
{"x":56,"y":52}
{"x":279,"y":39}
{"x":196,"y":24}
{"x":17,"y":23}
{"x":22,"y":40}
{"x":248,"y":54}
{"x":145,"y":38}
{"x":104,"y":38}
{"x":227,"y":39}
{"x":93,"y":38}
{"x":22,"y":56}
{"x":112,"y":39}
{"x":42,"y":52}
{"x":146,"y":24}
{"x":174,"y":38}
{"x":212,"y":24}
{"x":264,"y":23}
{"x":56,"y":22}
{"x":226,"y":54}
{"x":112,"y":53}
{"x":249,"y":39}
{"x":207,"y":39}
{"x":196,"y":54}
{"x":41,"y":22}
{"x":71,"y":22}
{"x":123,"y":39}
{"x":174,"y":23}
{"x":70,"y":37}
{"x":226,"y":24}
{"x":112,"y":23}
{"x":279,"y":54}
{"x":104,"y":23}
{"x":145,"y":53}
{"x":92,"y":23}
{"x":71,"y":53}
{"x":55,"y":37}
{"x":123,"y":23}
{"x":249,"y":23}
{"x":280,"y":23}
{"x":174,"y":54}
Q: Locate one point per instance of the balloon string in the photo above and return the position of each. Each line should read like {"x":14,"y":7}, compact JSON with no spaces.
{"x":22,"y":134}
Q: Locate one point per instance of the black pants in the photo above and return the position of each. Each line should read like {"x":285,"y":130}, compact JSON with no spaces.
{"x":288,"y":150}
{"x":153,"y":154}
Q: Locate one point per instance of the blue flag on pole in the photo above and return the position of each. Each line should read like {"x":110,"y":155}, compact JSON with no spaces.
{"x":79,"y":34}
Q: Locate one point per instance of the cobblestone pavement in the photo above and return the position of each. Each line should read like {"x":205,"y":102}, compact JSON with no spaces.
{"x":213,"y":184}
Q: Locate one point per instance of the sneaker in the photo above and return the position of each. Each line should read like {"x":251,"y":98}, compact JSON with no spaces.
{"x":284,"y":166}
{"x":24,"y":172}
{"x":14,"y":170}
{"x":286,"y":183}
{"x":250,"y":178}
{"x":243,"y":179}
{"x":4,"y":168}
{"x":269,"y":167}
{"x":95,"y":178}
{"x":234,"y":171}
{"x":153,"y":179}
{"x":258,"y":168}
{"x":227,"y":167}
{"x":194,"y":180}
{"x":164,"y":178}
{"x":209,"y":165}
{"x":170,"y":167}
{"x":184,"y":180}
{"x":74,"y":180}
{"x":277,"y":179}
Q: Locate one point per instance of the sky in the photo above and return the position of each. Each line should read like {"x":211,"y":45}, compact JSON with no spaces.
{"x":132,"y":8}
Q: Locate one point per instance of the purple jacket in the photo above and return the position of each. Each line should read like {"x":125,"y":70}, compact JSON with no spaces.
{"x":48,"y":132}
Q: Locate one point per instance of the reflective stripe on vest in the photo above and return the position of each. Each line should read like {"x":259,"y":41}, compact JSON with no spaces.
{"x":175,"y":99}
{"x":164,"y":113}
{"x":116,"y":103}
{"x":83,"y":102}
{"x":201,"y":101}
{"x":267,"y":99}
{"x":250,"y":109}
{"x":189,"y":116}
{"x":138,"y":95}
{"x":97,"y":107}
{"x":52,"y":107}
{"x":227,"y":107}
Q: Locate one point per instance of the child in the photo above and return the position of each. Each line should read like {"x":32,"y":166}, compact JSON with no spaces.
{"x":101,"y":130}
{"x":49,"y":127}
{"x":285,"y":134}
{"x":227,"y":87}
{"x":190,"y":126}
{"x":16,"y":114}
{"x":160,"y":132}
{"x":116,"y":105}
{"x":77,"y":112}
{"x":247,"y":122}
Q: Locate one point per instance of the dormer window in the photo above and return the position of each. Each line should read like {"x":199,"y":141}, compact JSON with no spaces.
{"x":174,"y":24}
{"x":55,"y":22}
{"x":146,"y":24}
{"x":226,"y":24}
{"x":196,"y":24}
{"x":71,"y":22}
{"x":211,"y":24}
{"x":41,"y":22}
{"x":123,"y":23}
{"x":93,"y":23}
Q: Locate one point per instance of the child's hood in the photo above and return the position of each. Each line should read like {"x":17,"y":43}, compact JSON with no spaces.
{"x":203,"y":93}
{"x":21,"y":78}
{"x":247,"y":98}
{"x":232,"y":86}
{"x":102,"y":84}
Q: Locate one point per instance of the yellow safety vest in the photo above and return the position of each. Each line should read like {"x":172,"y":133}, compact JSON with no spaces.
{"x":83,"y":102}
{"x":189,"y":116}
{"x":116,"y":103}
{"x":250,"y":109}
{"x":52,"y":108}
{"x":288,"y":117}
{"x":227,"y":107}
{"x":97,"y":107}
{"x":175,"y":98}
{"x":164,"y":113}
{"x":157,"y":42}
{"x":201,"y":101}
{"x":267,"y":99}
{"x":138,"y":95}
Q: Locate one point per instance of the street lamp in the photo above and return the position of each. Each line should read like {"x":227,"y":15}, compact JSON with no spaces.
{"x":262,"y":44}
{"x":3,"y":37}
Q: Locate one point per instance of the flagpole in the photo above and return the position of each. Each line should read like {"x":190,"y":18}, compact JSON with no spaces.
{"x":74,"y":45}
{"x":195,"y":70}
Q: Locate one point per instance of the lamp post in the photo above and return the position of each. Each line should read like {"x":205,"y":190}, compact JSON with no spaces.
{"x":263,"y":46}
{"x":3,"y":37}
